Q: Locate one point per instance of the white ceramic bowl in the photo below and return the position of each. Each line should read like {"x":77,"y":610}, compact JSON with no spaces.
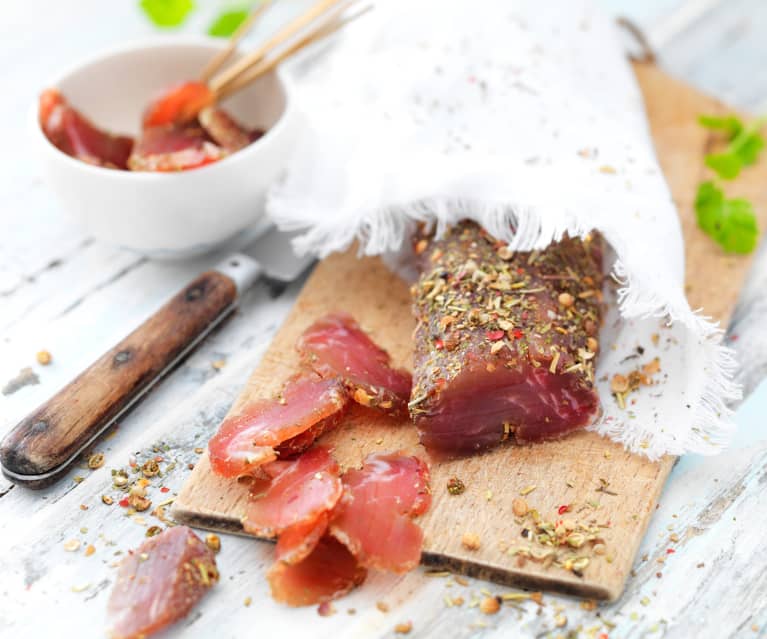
{"x":167,"y":215}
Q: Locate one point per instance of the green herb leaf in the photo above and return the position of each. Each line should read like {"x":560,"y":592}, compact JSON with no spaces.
{"x":731,"y":223}
{"x":226,"y":23}
{"x":748,"y":147}
{"x":739,"y":231}
{"x":730,"y":125}
{"x":726,"y":165}
{"x":167,"y":13}
{"x":743,"y":149}
{"x":708,"y":206}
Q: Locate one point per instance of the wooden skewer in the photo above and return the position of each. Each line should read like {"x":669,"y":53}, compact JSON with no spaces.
{"x":228,"y":76}
{"x":222,"y":56}
{"x":264,"y":66}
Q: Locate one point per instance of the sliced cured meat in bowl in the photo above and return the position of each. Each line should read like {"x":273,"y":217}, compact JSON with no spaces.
{"x":74,"y":134}
{"x":335,"y":345}
{"x":225,"y":131}
{"x":173,"y":148}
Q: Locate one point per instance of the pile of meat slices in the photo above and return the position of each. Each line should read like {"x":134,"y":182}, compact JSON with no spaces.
{"x":330,"y":527}
{"x":181,"y":130}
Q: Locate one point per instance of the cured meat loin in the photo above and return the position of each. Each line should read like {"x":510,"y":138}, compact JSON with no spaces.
{"x":335,"y":345}
{"x":505,"y":343}
{"x":159,"y":583}
{"x":374,"y":517}
{"x":298,"y":495}
{"x":73,"y":134}
{"x":307,"y":406}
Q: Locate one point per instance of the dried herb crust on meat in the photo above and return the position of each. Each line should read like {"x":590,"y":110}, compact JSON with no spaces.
{"x":506,"y":342}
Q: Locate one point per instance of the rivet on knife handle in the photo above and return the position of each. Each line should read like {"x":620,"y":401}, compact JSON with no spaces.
{"x":52,"y":437}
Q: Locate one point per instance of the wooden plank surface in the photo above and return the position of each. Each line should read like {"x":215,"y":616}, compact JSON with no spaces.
{"x":380,"y":301}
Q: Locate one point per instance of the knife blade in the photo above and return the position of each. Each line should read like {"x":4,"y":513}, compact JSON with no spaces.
{"x":38,"y":450}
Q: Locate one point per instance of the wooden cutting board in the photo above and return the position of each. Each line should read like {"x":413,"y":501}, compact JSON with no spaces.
{"x":564,"y":472}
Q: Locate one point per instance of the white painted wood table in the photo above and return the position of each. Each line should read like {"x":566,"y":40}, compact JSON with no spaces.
{"x":62,"y":291}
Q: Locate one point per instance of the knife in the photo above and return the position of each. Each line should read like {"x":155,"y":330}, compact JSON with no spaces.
{"x":44,"y":444}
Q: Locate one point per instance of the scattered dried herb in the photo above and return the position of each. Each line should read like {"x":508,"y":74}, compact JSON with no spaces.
{"x":96,"y":460}
{"x":471,"y":541}
{"x":490,"y":605}
{"x":72,"y":545}
{"x":150,"y":468}
{"x":213,"y":542}
{"x":455,"y":486}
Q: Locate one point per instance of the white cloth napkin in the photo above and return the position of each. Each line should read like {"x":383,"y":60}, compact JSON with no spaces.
{"x":523,"y":115}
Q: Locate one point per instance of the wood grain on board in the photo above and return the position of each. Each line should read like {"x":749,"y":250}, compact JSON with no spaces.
{"x":380,"y":301}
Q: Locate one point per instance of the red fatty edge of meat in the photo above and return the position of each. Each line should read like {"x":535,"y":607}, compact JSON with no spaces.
{"x":335,"y":345}
{"x":159,"y":583}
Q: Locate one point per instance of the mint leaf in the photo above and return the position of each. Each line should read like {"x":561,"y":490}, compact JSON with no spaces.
{"x":730,"y":125}
{"x":726,"y":165}
{"x":731,"y":223}
{"x":739,"y":232}
{"x":708,"y":206}
{"x":743,"y":149}
{"x":226,"y":23}
{"x":167,"y":13}
{"x":748,"y":148}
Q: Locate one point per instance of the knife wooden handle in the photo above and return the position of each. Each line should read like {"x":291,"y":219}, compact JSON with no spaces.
{"x":54,"y":434}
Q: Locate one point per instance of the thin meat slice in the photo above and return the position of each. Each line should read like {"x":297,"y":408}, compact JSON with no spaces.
{"x":374,"y":517}
{"x":248,"y":440}
{"x":329,"y":572}
{"x":178,"y":105}
{"x":225,"y":131}
{"x":336,"y":346}
{"x":74,"y":134}
{"x":159,"y":583}
{"x":300,"y":494}
{"x":506,"y":343}
{"x":296,"y":542}
{"x":170,"y":148}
